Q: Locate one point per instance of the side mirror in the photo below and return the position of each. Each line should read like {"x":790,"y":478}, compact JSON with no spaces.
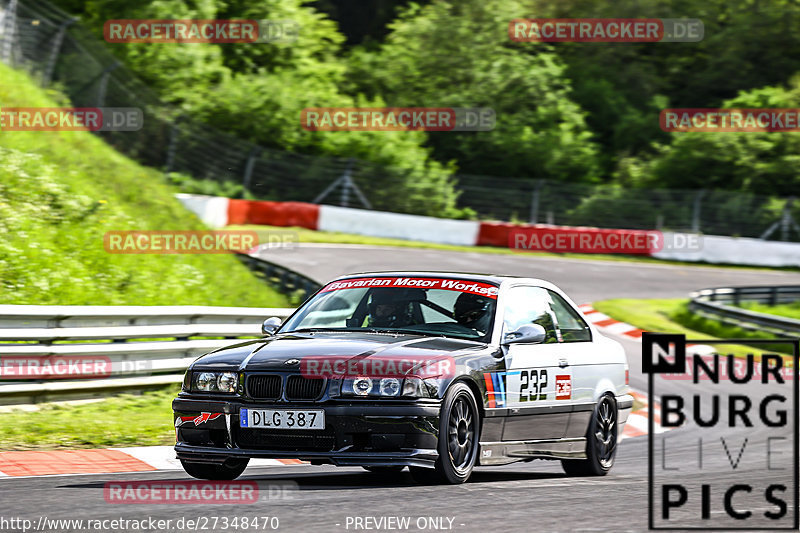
{"x":270,"y":326}
{"x":527,"y":334}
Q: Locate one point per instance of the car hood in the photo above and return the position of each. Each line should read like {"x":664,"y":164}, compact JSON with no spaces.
{"x":272,"y":353}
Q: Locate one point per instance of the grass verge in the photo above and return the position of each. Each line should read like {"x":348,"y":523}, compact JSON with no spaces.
{"x":60,"y":192}
{"x":125,"y":420}
{"x":791,"y":310}
{"x":673,"y":316}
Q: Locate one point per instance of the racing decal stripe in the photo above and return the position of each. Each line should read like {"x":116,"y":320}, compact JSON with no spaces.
{"x":500,"y":389}
{"x":502,"y":379}
{"x":487,"y":377}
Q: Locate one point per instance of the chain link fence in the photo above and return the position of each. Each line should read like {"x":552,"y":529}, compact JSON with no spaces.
{"x":55,"y":48}
{"x":698,"y":211}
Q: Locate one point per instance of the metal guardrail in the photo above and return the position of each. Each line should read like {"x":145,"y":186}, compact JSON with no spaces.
{"x":145,"y":346}
{"x":285,"y":280}
{"x":137,"y":347}
{"x":713,"y":304}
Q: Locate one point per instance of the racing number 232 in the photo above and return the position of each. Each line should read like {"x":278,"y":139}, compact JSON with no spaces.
{"x":532,"y":384}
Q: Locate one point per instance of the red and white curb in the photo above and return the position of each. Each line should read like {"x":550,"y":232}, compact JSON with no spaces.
{"x":609,"y":324}
{"x":102,"y":461}
{"x":636,"y":426}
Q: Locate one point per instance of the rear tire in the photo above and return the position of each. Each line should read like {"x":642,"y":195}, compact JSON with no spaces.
{"x":601,"y":442}
{"x":459,"y":427}
{"x":231,"y":469}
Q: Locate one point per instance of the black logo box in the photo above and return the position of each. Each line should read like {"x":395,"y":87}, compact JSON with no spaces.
{"x":679,"y":367}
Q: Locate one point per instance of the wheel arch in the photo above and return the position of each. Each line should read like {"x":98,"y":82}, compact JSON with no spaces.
{"x":604,"y":386}
{"x":476,"y":391}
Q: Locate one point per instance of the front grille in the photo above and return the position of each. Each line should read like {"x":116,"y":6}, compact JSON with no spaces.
{"x":310,"y":441}
{"x":264,"y":387}
{"x":302,"y":388}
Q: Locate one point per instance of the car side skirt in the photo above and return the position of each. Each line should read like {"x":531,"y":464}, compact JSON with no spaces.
{"x":499,"y":453}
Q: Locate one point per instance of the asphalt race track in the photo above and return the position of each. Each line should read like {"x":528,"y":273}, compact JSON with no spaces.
{"x":584,"y":280}
{"x":527,"y":497}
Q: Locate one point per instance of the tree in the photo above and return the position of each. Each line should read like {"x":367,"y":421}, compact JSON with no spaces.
{"x":459,"y":54}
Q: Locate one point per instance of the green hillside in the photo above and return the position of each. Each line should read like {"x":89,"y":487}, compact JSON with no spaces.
{"x":61,"y":191}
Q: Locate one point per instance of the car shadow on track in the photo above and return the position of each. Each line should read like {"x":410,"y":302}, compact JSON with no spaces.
{"x":332,"y":480}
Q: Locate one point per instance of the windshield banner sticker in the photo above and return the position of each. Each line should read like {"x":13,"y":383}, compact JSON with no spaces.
{"x":473,"y":287}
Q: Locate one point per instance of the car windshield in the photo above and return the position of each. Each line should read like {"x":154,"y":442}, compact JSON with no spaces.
{"x":424,"y":306}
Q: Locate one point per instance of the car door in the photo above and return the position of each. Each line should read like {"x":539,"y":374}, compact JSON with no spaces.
{"x":536,"y":409}
{"x":584,"y":365}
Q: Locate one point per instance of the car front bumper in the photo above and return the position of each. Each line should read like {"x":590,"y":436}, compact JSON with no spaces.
{"x":356,"y":433}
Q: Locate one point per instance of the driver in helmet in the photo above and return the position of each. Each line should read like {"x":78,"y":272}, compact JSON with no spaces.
{"x":386,"y":310}
{"x":473,"y":311}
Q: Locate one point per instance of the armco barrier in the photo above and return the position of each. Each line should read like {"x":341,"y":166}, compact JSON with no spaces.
{"x":712,"y":304}
{"x":398,"y":226}
{"x":712,"y":249}
{"x":273,"y":213}
{"x":494,"y":234}
{"x":136,"y":356}
{"x":567,"y":239}
{"x":286,"y":281}
{"x":134,"y":362}
{"x":737,"y":251}
{"x":212,"y":210}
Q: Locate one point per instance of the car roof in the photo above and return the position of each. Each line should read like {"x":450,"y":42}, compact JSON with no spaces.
{"x":489,"y":278}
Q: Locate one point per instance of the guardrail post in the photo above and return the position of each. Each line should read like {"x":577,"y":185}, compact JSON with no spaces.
{"x":8,"y":32}
{"x":696,"y":211}
{"x":535,"y":201}
{"x":47,"y":77}
{"x":248,"y":168}
{"x":173,"y":145}
{"x":787,"y":221}
{"x":736,"y":296}
{"x":773,"y":296}
{"x":101,"y":90}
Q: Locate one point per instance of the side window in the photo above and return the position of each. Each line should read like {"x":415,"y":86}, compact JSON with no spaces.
{"x":529,"y":305}
{"x":573,"y":327}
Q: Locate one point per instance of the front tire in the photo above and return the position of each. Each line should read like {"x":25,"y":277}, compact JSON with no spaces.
{"x":230,"y":469}
{"x":459,"y":427}
{"x":601,"y":442}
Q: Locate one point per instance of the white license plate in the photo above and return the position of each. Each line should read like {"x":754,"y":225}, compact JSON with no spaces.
{"x":282,"y":418}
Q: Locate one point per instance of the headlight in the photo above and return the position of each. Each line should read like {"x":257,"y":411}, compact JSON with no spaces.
{"x":415,"y":388}
{"x":226,"y":382}
{"x":385,"y":387}
{"x":362,"y":386}
{"x":390,"y":387}
{"x":205,"y":381}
